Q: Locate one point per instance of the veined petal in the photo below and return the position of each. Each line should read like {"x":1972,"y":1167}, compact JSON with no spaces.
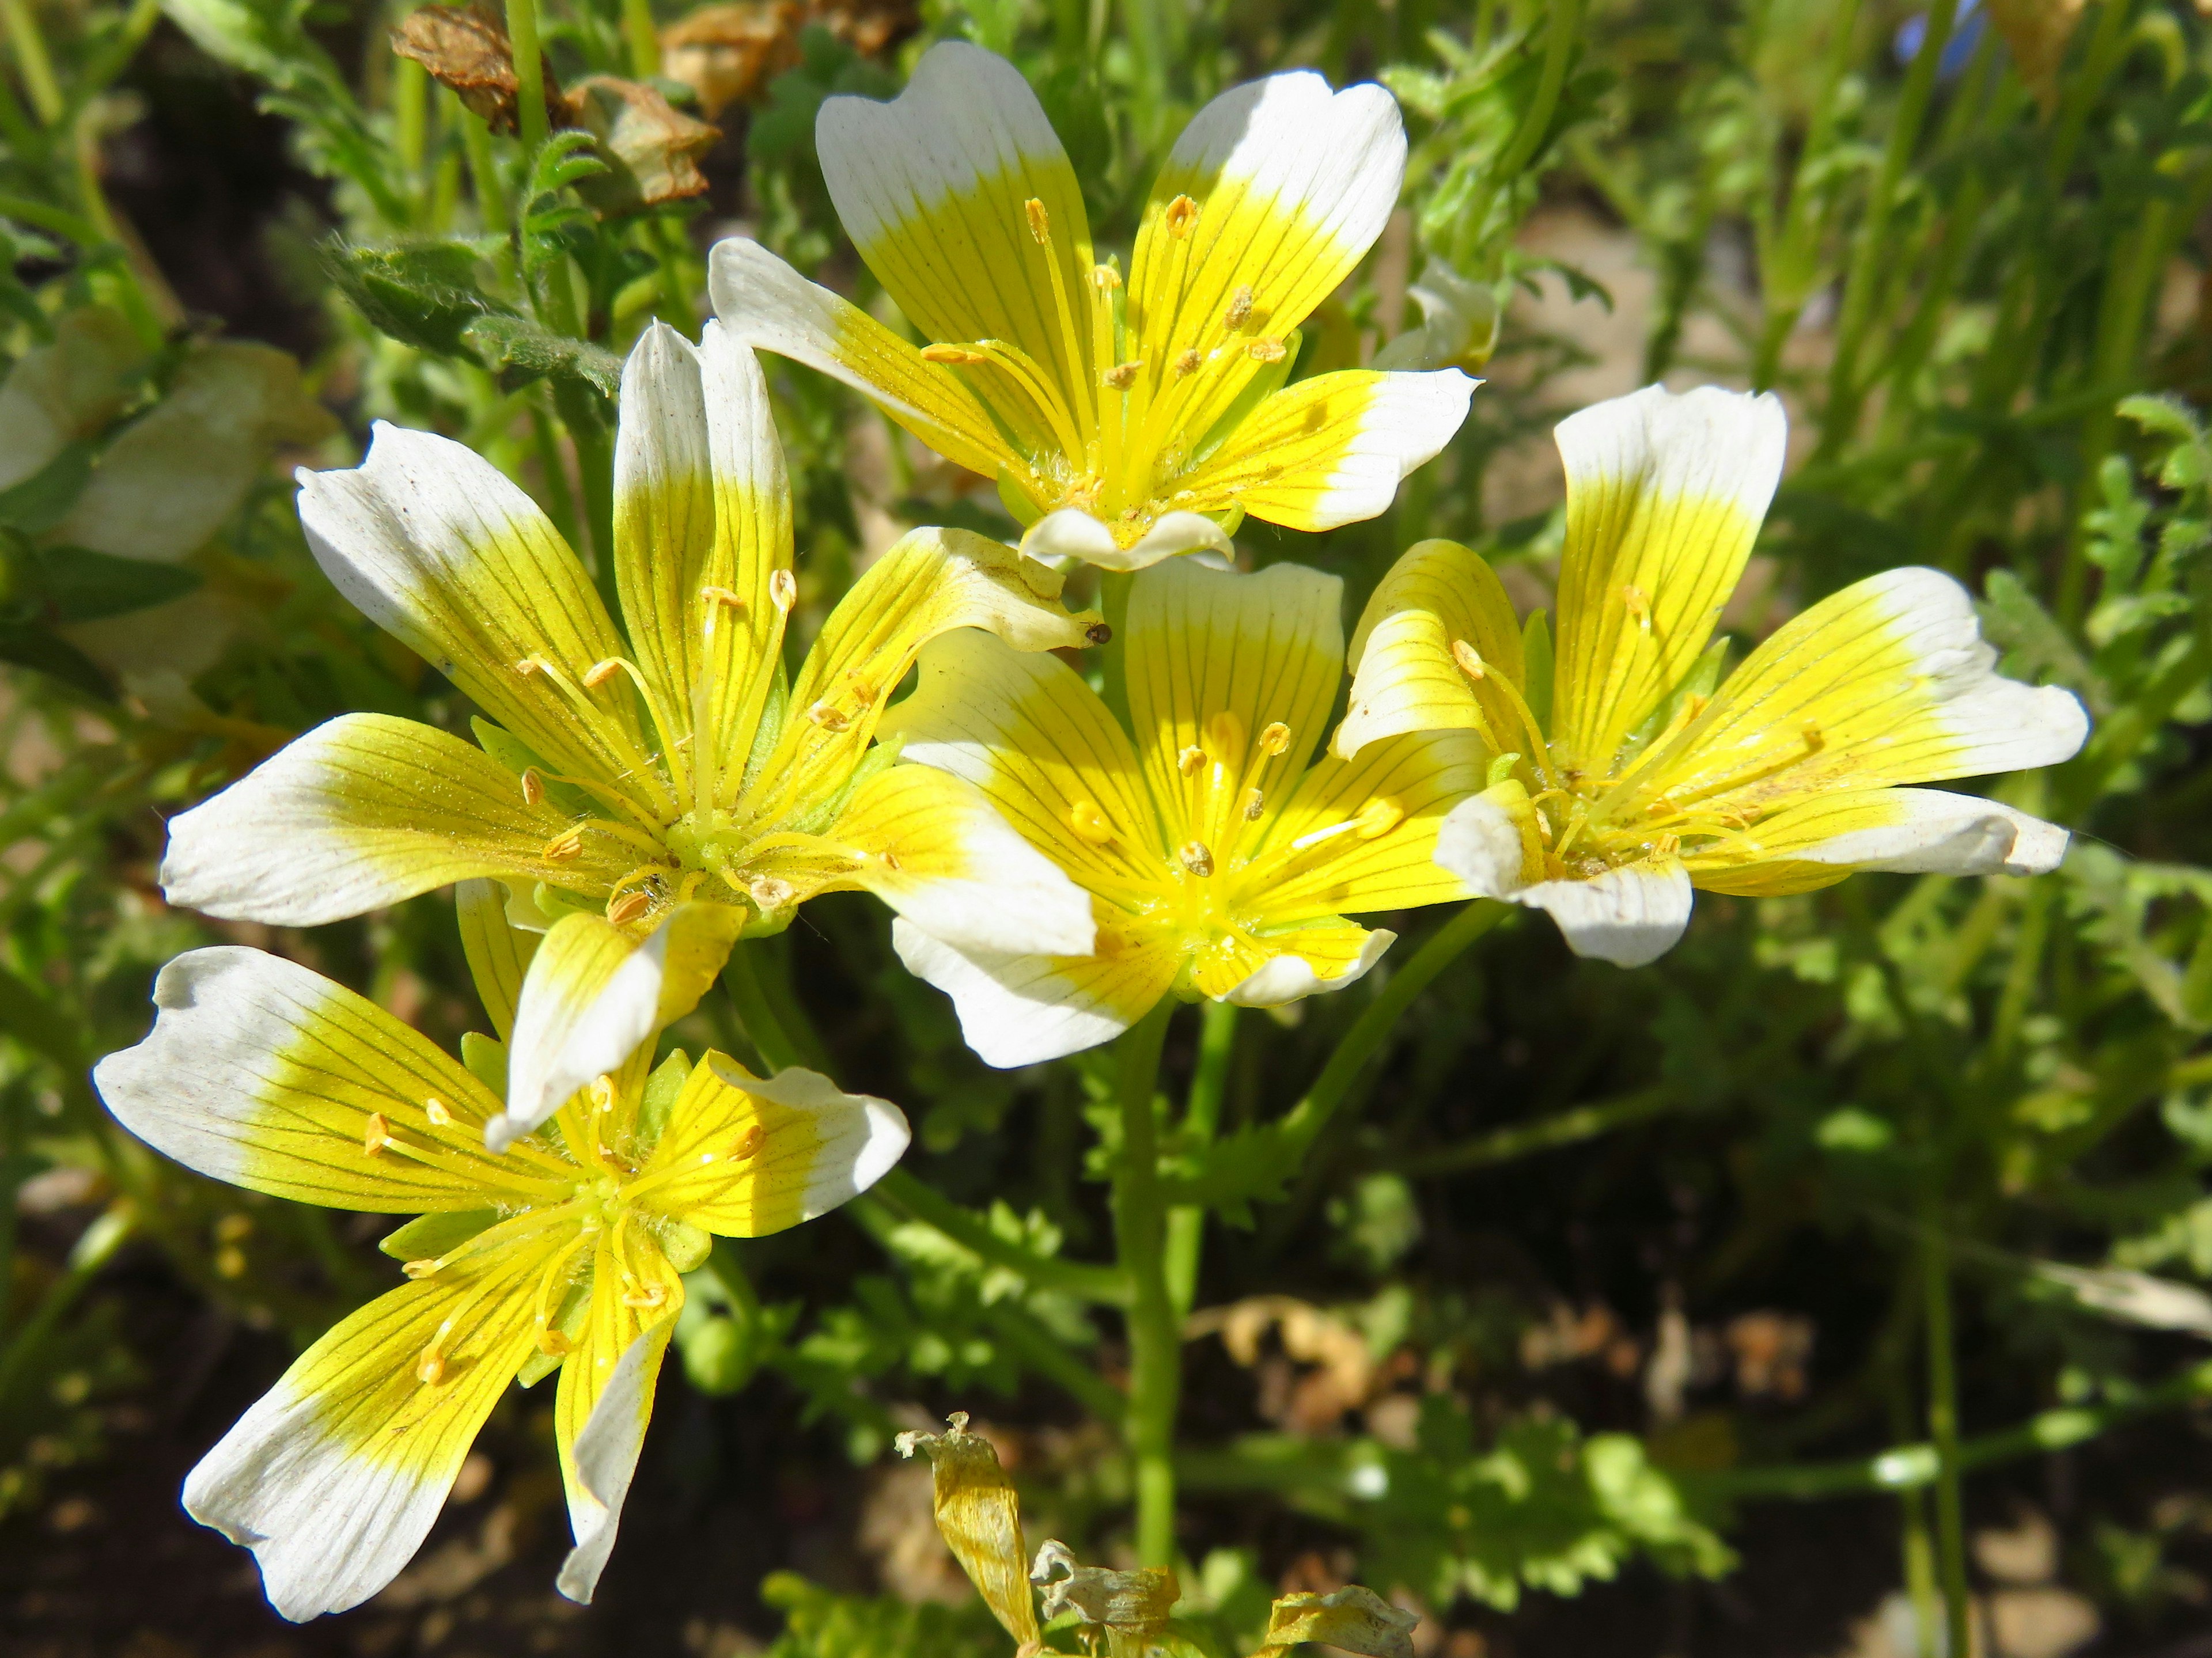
{"x":1263,"y":650}
{"x":1022,"y":727}
{"x":1332,"y":449}
{"x":1819,"y":841}
{"x":1292,"y":184}
{"x":1071,"y":532}
{"x":1405,"y":676}
{"x":498,"y":953}
{"x":605,"y":1394}
{"x":1481,"y":844}
{"x":438,"y":546}
{"x":930,"y":582}
{"x":334,"y":1477}
{"x":594,"y":995}
{"x":262,"y":1073}
{"x":933,"y":187}
{"x":1887,"y":681}
{"x":766,"y":304}
{"x":702,"y":523}
{"x":1023,"y":1010}
{"x":1370,"y":823}
{"x":1325,"y":958}
{"x":1665,"y":495}
{"x":1630,"y":916}
{"x":818,"y":1147}
{"x":365,"y":810}
{"x":935,"y":849}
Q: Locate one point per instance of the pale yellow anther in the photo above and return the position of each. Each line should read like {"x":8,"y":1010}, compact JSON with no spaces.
{"x":533,"y":789}
{"x":599,"y":672}
{"x":628,"y":907}
{"x":1815,"y":738}
{"x":1182,"y":215}
{"x":1254,"y":803}
{"x":652,"y":1296}
{"x":602,"y":1092}
{"x":829,"y":719}
{"x":1040,"y":221}
{"x":1121,"y":376}
{"x":783,"y":589}
{"x":1088,"y":821}
{"x":1190,"y":760}
{"x":375,"y":1134}
{"x":565,"y":847}
{"x":1274,"y":737}
{"x":1196,"y":857}
{"x":711,"y":594}
{"x":890,"y":859}
{"x":1378,"y":817}
{"x":1637,"y":604}
{"x":421,"y":1269}
{"x":437,"y":1110}
{"x":857,"y":682}
{"x":430,"y":1369}
{"x":1667,"y":846}
{"x":953,"y":355}
{"x":1266,"y":350}
{"x":1105,"y":278}
{"x":747,"y":1143}
{"x":1469,"y":660}
{"x":1187,"y":364}
{"x":553,"y":1343}
{"x":768,"y":892}
{"x":1225,"y":736}
{"x":1240,"y":307}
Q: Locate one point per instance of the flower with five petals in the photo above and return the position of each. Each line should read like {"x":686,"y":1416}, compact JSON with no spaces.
{"x":1130,"y":415}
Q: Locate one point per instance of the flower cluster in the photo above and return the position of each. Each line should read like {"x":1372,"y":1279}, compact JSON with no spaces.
{"x":1063,"y":846}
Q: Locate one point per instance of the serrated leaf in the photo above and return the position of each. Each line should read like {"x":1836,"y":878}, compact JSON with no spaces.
{"x":2015,"y":621}
{"x":518,"y":351}
{"x":422,"y":293}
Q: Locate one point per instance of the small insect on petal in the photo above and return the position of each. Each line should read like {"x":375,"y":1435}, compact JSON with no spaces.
{"x":1098,"y":633}
{"x":1040,"y":221}
{"x":1815,"y":738}
{"x":1088,"y":821}
{"x":628,"y":907}
{"x":783,"y":588}
{"x":533,"y":788}
{"x":1469,"y":660}
{"x":1240,"y":307}
{"x":1182,"y":215}
{"x":1266,"y":350}
{"x":435,"y":1110}
{"x":375,"y":1134}
{"x":1197,"y":859}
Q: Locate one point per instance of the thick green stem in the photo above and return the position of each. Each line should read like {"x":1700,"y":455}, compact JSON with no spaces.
{"x":641,"y":35}
{"x":1943,"y":1422}
{"x":32,"y":61}
{"x":1155,"y":1332}
{"x":1201,"y":1116}
{"x":765,"y":1026}
{"x":529,"y":75}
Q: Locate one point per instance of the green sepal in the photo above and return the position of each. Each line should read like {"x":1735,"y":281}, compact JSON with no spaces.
{"x":686,"y":1246}
{"x":1705,"y":674}
{"x":657,"y":1100}
{"x":575,"y":1305}
{"x":518,"y":757}
{"x":486,"y":1060}
{"x":1271,"y":378}
{"x":1536,"y":667}
{"x":428,"y":1236}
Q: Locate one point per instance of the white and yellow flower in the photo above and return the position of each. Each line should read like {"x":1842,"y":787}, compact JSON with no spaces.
{"x":631,"y":774}
{"x":1220,"y":862}
{"x":1640,"y":777}
{"x":1130,"y":415}
{"x":565,"y":1253}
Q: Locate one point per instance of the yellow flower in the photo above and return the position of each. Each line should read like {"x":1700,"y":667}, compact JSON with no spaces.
{"x":1130,"y":415}
{"x":1218,"y":862}
{"x":633,"y":775}
{"x":1640,"y":778}
{"x":564,"y":1255}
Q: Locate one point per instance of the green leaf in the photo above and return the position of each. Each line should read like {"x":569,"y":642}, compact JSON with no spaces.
{"x":79,"y":585}
{"x":422,"y":293}
{"x":2016,"y":622}
{"x":518,"y":351}
{"x":28,"y":644}
{"x":44,"y":499}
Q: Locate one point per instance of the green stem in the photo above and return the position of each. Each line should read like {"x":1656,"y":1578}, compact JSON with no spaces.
{"x":581,"y":413}
{"x":1303,"y":1124}
{"x":1201,"y":1117}
{"x":1039,"y":1350}
{"x":1155,"y":1332}
{"x":529,"y":75}
{"x":1871,"y":254}
{"x":483,"y":169}
{"x":764,"y":1027}
{"x":1943,"y":1419}
{"x":730,"y":1272}
{"x":1569,"y":1127}
{"x":559,"y":501}
{"x":33,"y":64}
{"x":60,"y":221}
{"x":94,"y":1250}
{"x":642,"y":37}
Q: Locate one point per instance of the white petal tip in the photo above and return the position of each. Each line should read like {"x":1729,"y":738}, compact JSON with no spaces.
{"x":1071,"y":532}
{"x":1478,"y":844}
{"x":1292,"y":978}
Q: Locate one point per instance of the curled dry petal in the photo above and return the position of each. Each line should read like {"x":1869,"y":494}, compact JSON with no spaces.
{"x":980,"y":1519}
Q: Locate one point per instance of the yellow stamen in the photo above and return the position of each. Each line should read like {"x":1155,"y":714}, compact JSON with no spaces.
{"x":1255,"y":803}
{"x":553,"y":1343}
{"x":1196,"y":858}
{"x":1040,"y":221}
{"x":435,"y":1109}
{"x":1637,"y":604}
{"x":768,"y":892}
{"x":1121,"y":376}
{"x":783,"y":588}
{"x":1105,"y":278}
{"x":1266,"y":350}
{"x":1469,"y":660}
{"x":955,"y":356}
{"x":1182,"y":215}
{"x":743,"y":1148}
{"x":602,"y":1092}
{"x":1190,"y":760}
{"x":375,"y":1134}
{"x":827,"y":717}
{"x":1815,"y":738}
{"x":652,"y":1296}
{"x":430,"y":1369}
{"x":863,"y":692}
{"x":1378,"y":817}
{"x":1187,"y":364}
{"x":599,"y":672}
{"x":566,"y":847}
{"x":711,"y":594}
{"x":1089,"y":822}
{"x":421,"y":1269}
{"x":1274,"y":737}
{"x":533,"y":788}
{"x":628,"y":907}
{"x":1240,"y":307}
